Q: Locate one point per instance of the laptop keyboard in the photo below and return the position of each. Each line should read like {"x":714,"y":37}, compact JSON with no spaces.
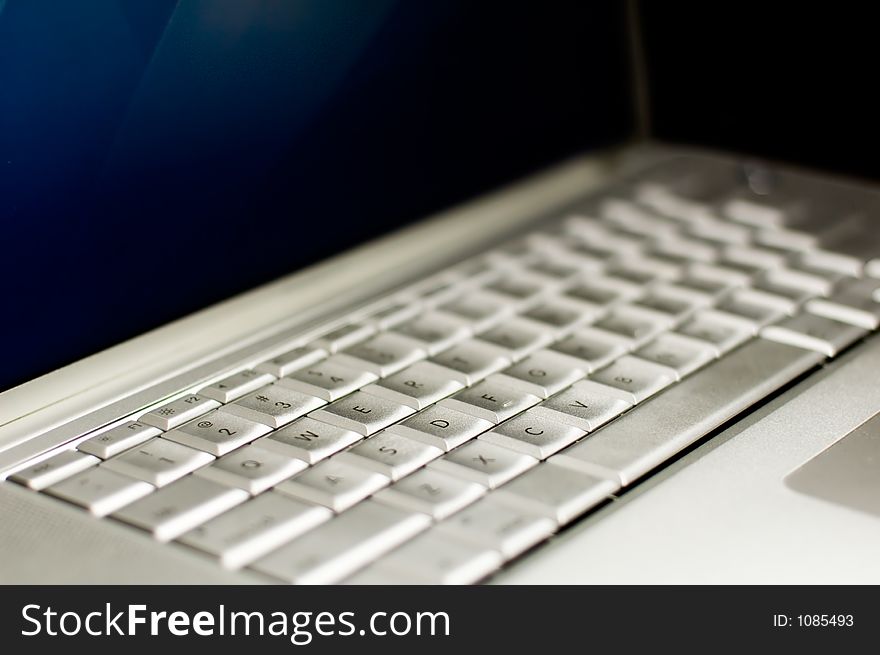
{"x":470,"y":418}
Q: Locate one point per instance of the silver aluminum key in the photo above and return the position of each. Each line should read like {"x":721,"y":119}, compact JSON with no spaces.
{"x":341,"y":546}
{"x":255,"y":528}
{"x":274,"y":405}
{"x":119,"y":439}
{"x":517,"y":336}
{"x":636,"y":377}
{"x":484,"y":463}
{"x":335,"y":484}
{"x":813,"y":332}
{"x":441,"y":427}
{"x":555,"y":492}
{"x":418,"y":386}
{"x":179,"y":411}
{"x":542,"y":374}
{"x":471,"y":361}
{"x":437,"y":558}
{"x":756,"y":306}
{"x":292,"y":360}
{"x":159,"y":461}
{"x":383,"y":354}
{"x":363,"y":413}
{"x":669,"y":302}
{"x":252,"y":468}
{"x":680,"y":353}
{"x":854,"y":301}
{"x":54,"y":469}
{"x":432,"y":492}
{"x":309,"y":440}
{"x":329,"y":379}
{"x":218,"y":432}
{"x":591,"y":348}
{"x":180,"y":507}
{"x":723,"y":331}
{"x":100,"y":490}
{"x":435,"y":331}
{"x":491,"y":401}
{"x":559,"y":315}
{"x":532,"y":434}
{"x":390,"y":454}
{"x":508,"y":530}
{"x":518,"y":287}
{"x":481,"y":309}
{"x":637,"y":326}
{"x":237,"y":385}
{"x":344,"y":336}
{"x":585,"y":405}
{"x":602,"y":292}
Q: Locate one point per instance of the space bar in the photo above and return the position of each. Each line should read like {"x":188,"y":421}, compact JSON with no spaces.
{"x":653,"y":432}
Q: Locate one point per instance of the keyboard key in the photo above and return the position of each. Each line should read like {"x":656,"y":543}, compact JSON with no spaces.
{"x":100,"y":490}
{"x":723,"y":331}
{"x":441,"y":427}
{"x":334,"y":484}
{"x":630,"y":323}
{"x":255,"y":528}
{"x":418,"y":386}
{"x":751,"y":259}
{"x":432,"y":492}
{"x":484,"y":463}
{"x":159,"y":461}
{"x":480,"y":309}
{"x":505,"y":529}
{"x":667,"y":301}
{"x":180,"y":507}
{"x":653,"y":432}
{"x":491,"y":401}
{"x":308,"y":440}
{"x":390,"y":454}
{"x":344,"y":337}
{"x":592,"y":348}
{"x":541,"y":374}
{"x":179,"y":411}
{"x":274,"y":405}
{"x":680,"y":353}
{"x":54,"y":469}
{"x":119,"y":439}
{"x":518,"y":287}
{"x":517,"y":337}
{"x":436,"y":558}
{"x":292,"y":360}
{"x":383,"y":354}
{"x":585,"y":405}
{"x":602,"y":293}
{"x":758,"y":307}
{"x":237,"y":385}
{"x":856,"y":302}
{"x":435,"y":331}
{"x":252,"y":469}
{"x":329,"y":379}
{"x":555,"y":492}
{"x":341,"y":546}
{"x":534,"y":435}
{"x":560,"y":316}
{"x":471,"y":361}
{"x":218,"y":432}
{"x":637,"y":377}
{"x":363,"y":413}
{"x":817,"y":333}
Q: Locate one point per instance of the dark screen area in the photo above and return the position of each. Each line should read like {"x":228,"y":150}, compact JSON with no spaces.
{"x":160,"y":156}
{"x":792,"y":82}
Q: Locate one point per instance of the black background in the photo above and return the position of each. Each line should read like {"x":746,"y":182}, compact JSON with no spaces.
{"x":790,"y":81}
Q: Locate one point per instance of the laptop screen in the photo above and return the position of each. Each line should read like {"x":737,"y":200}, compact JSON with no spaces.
{"x":158,"y":157}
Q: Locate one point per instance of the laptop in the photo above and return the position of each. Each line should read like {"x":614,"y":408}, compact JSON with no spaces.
{"x":403,"y":293}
